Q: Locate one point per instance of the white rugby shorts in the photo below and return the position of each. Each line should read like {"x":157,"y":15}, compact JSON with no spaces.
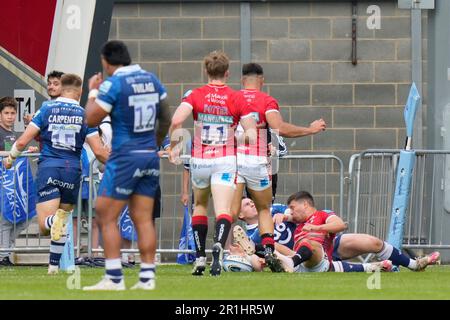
{"x":322,"y":266}
{"x":253,"y":171}
{"x":217,"y":171}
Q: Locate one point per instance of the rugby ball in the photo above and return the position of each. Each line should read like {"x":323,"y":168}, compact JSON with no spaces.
{"x":235,"y":263}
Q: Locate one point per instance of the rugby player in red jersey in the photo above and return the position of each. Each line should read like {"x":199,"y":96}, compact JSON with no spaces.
{"x":313,"y":238}
{"x":253,"y":160}
{"x":213,"y":162}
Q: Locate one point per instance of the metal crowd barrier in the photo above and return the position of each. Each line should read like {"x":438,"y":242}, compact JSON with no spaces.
{"x":323,"y":175}
{"x":30,"y":241}
{"x":371,"y":188}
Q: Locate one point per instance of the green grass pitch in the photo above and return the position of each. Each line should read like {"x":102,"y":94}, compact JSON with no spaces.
{"x":174,"y":282}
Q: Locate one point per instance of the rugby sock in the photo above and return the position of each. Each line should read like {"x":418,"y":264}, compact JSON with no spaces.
{"x":56,"y":250}
{"x":113,"y":270}
{"x":148,"y":271}
{"x":341,"y":266}
{"x":259,"y":250}
{"x":267,"y":240}
{"x":49,"y":222}
{"x":395,"y":255}
{"x":223,"y":226}
{"x":304,"y":253}
{"x":200,"y":230}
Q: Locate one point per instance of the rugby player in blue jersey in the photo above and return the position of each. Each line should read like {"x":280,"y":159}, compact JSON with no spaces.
{"x":140,"y":118}
{"x":283,"y":232}
{"x":62,"y":130}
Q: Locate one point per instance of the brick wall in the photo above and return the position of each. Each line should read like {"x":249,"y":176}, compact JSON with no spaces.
{"x":305,"y":49}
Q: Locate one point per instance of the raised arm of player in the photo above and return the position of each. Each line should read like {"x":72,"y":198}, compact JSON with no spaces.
{"x":279,"y":218}
{"x":163,"y":121}
{"x":333,"y":224}
{"x":30,"y":133}
{"x":101,"y":152}
{"x":94,"y":112}
{"x":289,"y":130}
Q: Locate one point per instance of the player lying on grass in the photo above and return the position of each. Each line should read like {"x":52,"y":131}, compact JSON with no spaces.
{"x":239,"y":260}
{"x":62,"y":130}
{"x":313,"y":240}
{"x":345,"y":246}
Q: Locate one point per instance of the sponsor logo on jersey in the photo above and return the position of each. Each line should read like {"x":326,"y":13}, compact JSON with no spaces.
{"x":212,"y":118}
{"x":216,"y":98}
{"x":215,"y":109}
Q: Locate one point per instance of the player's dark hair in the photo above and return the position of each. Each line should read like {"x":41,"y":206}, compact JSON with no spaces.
{"x":216,"y":64}
{"x":8,"y":102}
{"x":55,"y":74}
{"x":301,"y":196}
{"x":71,"y":80}
{"x":252,"y":69}
{"x":116,"y":53}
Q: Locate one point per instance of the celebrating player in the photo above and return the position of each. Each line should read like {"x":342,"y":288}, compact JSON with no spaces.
{"x":253,"y":162}
{"x":213,"y":163}
{"x":345,"y":246}
{"x":62,"y":131}
{"x":350,"y":245}
{"x":135,"y":99}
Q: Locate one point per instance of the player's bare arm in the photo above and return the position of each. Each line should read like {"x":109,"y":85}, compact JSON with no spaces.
{"x":30,"y":133}
{"x":181,"y":114}
{"x":183,"y":111}
{"x":282,"y":217}
{"x":334,"y":224}
{"x":163,"y":121}
{"x":185,"y":194}
{"x":289,"y":130}
{"x":248,"y":123}
{"x":101,"y":153}
{"x":94,"y":112}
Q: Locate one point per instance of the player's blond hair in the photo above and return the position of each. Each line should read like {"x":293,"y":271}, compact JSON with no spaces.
{"x":216,"y":64}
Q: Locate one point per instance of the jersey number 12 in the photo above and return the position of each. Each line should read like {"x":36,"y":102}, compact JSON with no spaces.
{"x":144,"y":111}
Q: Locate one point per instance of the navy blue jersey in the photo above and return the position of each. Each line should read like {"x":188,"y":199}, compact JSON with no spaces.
{"x":284,"y":232}
{"x":62,"y":131}
{"x":132,"y":96}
